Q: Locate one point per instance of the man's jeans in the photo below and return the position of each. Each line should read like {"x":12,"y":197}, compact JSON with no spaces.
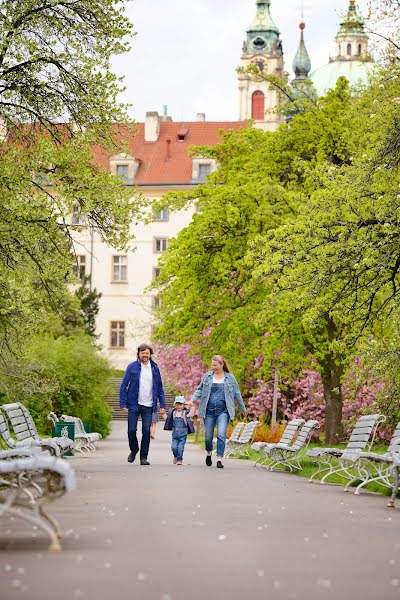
{"x":146,"y":413}
{"x":178,"y":443}
{"x":222,"y":425}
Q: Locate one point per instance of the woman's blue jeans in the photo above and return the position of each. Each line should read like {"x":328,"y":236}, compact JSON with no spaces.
{"x":221,"y":421}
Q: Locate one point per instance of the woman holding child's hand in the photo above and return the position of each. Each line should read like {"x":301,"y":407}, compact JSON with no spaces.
{"x":217,"y":394}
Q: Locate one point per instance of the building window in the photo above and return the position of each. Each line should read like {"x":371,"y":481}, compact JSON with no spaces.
{"x":160,"y":244}
{"x":156,"y":272}
{"x":340,"y":50}
{"x":359,"y":49}
{"x":117,"y":334}
{"x":123,"y":172}
{"x":77,"y":217}
{"x":120,"y":268}
{"x":348,"y":49}
{"x":156,"y":302}
{"x":163,"y":215}
{"x":79,"y":267}
{"x":204,"y":170}
{"x":258,"y":106}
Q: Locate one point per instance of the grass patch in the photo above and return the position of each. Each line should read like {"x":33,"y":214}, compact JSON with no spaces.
{"x":308,"y":467}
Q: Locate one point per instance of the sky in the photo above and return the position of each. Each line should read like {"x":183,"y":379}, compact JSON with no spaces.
{"x":185,"y":52}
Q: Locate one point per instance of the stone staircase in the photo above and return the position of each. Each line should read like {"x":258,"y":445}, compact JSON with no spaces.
{"x":113,"y":400}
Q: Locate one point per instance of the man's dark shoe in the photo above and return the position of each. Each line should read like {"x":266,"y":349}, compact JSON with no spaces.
{"x":144,"y":461}
{"x":132,"y":457}
{"x":219,"y":465}
{"x":208,"y":461}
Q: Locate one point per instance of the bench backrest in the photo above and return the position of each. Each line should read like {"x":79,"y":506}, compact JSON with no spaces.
{"x":52,"y":417}
{"x":291,"y":429}
{"x":29,"y":420}
{"x":79,"y":428}
{"x":5,"y":432}
{"x":395,"y":436}
{"x":364,"y":432}
{"x":305,"y":434}
{"x":17,"y":420}
{"x":248,"y":432}
{"x":237,"y":430}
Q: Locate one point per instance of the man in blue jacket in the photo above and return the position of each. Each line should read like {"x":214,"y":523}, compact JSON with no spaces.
{"x":141,"y":390}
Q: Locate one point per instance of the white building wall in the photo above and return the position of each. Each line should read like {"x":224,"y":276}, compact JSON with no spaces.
{"x":128,"y":301}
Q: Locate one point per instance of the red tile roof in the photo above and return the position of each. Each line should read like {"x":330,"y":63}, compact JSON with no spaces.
{"x":158,"y":165}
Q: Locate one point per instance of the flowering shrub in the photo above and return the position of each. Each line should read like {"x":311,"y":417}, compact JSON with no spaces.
{"x":304,"y":397}
{"x":181,"y":370}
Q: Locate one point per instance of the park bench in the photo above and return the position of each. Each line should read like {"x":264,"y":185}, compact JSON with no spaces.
{"x":19,"y":429}
{"x":373,"y":467}
{"x":242,"y":445}
{"x":265,"y":448}
{"x":29,"y":479}
{"x":91,"y":438}
{"x":395,"y":469}
{"x":233,"y":438}
{"x":285,"y":456}
{"x":329,"y":459}
{"x":82,"y":441}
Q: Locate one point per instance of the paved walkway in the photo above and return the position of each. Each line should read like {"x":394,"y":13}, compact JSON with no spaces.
{"x":196,"y":533}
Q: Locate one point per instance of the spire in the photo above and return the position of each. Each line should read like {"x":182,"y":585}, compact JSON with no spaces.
{"x":351,"y":39}
{"x":301,"y":62}
{"x":263,"y":36}
{"x":263,"y":20}
{"x":352,"y":23}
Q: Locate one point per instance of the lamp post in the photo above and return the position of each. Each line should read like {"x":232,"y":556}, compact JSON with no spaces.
{"x":275,"y":397}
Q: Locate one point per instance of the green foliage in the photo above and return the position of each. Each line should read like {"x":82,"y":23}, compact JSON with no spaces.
{"x":80,"y":375}
{"x":89,"y":304}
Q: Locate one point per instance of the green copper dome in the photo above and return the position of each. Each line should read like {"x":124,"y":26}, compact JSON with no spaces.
{"x":263,"y":37}
{"x":352,"y":59}
{"x":356,"y":72}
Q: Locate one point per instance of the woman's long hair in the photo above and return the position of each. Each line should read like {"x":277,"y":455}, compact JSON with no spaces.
{"x":221,"y":359}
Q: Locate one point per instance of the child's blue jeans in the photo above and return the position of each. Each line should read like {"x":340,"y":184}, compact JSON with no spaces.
{"x":179,"y":436}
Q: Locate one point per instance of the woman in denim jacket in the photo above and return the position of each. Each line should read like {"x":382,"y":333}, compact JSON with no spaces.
{"x":217,"y":392}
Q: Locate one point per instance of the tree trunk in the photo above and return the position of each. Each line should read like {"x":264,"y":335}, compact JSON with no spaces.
{"x":333,"y":402}
{"x":333,"y":369}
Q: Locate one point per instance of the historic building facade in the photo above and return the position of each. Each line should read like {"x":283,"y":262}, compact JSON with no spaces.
{"x":158,"y":161}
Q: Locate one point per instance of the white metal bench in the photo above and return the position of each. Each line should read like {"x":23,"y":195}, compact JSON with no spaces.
{"x":230,"y":443}
{"x":395,"y":469}
{"x":91,"y":438}
{"x":361,"y":438}
{"x":284,"y":456}
{"x":82,"y":441}
{"x":16,"y":418}
{"x":373,"y":467}
{"x":242,"y":445}
{"x":29,"y":479}
{"x":265,"y":448}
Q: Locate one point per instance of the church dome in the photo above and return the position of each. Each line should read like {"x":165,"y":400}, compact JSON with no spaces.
{"x":357,"y":72}
{"x":352,"y":60}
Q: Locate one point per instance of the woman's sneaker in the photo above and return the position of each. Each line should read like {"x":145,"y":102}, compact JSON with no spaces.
{"x":174,"y":460}
{"x":208,"y":461}
{"x":219,"y":465}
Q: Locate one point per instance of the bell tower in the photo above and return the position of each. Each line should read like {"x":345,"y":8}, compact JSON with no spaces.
{"x":262,"y":47}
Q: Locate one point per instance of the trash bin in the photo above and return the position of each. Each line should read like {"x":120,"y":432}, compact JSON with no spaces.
{"x":87,"y":427}
{"x":65,"y":429}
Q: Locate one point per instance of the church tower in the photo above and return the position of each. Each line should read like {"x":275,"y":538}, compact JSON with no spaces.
{"x":262,"y":47}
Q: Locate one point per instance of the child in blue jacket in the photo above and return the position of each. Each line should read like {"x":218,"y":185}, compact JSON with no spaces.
{"x":179,"y":422}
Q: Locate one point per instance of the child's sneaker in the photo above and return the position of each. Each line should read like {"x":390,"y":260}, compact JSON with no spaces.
{"x":179,"y":463}
{"x":174,"y":460}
